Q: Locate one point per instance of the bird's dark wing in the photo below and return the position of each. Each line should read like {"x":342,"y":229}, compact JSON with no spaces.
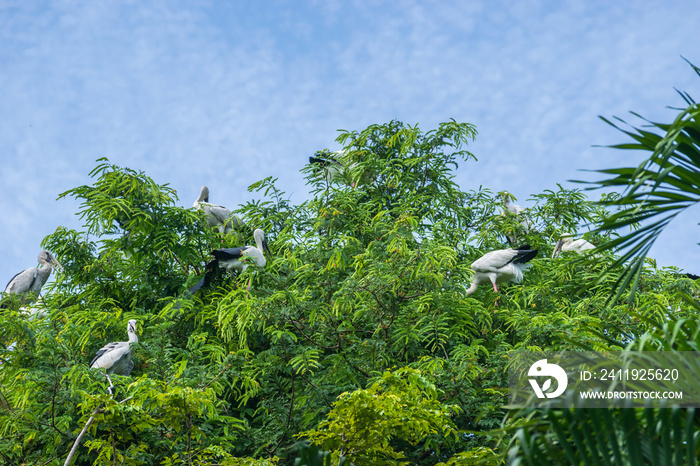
{"x":211,"y":269}
{"x":227,"y":253}
{"x":319,"y":161}
{"x":524,"y":255}
{"x":198,"y":286}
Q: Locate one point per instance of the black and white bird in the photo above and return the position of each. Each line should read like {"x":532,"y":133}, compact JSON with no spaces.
{"x":566,"y":244}
{"x":217,"y":216}
{"x":31,"y":280}
{"x":115,"y":357}
{"x":239,"y":259}
{"x":501,"y":266}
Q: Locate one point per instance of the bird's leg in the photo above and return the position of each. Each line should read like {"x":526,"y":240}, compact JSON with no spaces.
{"x":495,"y":288}
{"x":250,"y":280}
{"x":111,"y":385}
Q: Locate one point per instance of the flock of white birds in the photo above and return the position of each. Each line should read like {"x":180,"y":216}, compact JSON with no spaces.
{"x":116,"y":358}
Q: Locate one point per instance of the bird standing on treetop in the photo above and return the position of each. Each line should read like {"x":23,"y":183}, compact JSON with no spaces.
{"x":567,"y":243}
{"x":31,"y":280}
{"x":217,"y":216}
{"x":239,"y":259}
{"x":115,"y":357}
{"x":500,"y":266}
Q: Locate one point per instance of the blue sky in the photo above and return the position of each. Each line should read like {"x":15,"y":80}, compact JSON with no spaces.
{"x":226,"y":93}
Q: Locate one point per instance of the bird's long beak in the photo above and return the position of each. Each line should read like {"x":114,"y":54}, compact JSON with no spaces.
{"x":58,"y":265}
{"x":557,"y":248}
{"x":266,"y":248}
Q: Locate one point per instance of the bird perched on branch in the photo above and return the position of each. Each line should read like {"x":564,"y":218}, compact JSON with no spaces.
{"x":115,"y":357}
{"x":217,"y":216}
{"x":31,"y":280}
{"x":239,"y":259}
{"x":501,"y":266}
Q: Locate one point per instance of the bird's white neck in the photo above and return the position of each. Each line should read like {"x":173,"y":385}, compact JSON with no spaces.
{"x":45,"y":271}
{"x":133,"y":338}
{"x":203,"y":198}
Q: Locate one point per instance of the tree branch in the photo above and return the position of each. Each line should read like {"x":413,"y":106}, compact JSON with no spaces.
{"x":82,"y":432}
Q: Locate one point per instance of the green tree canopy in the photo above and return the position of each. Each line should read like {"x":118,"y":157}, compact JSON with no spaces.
{"x":357,"y":336}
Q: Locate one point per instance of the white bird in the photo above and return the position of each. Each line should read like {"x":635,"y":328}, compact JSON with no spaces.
{"x":239,"y":259}
{"x":217,"y":216}
{"x":31,"y":280}
{"x":567,"y":243}
{"x":115,"y":357}
{"x":500,"y":266}
{"x":522,"y":217}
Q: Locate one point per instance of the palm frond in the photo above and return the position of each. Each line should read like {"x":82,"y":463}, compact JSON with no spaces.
{"x":655,"y":192}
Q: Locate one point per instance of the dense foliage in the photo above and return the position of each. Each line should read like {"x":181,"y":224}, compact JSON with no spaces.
{"x":357,"y":336}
